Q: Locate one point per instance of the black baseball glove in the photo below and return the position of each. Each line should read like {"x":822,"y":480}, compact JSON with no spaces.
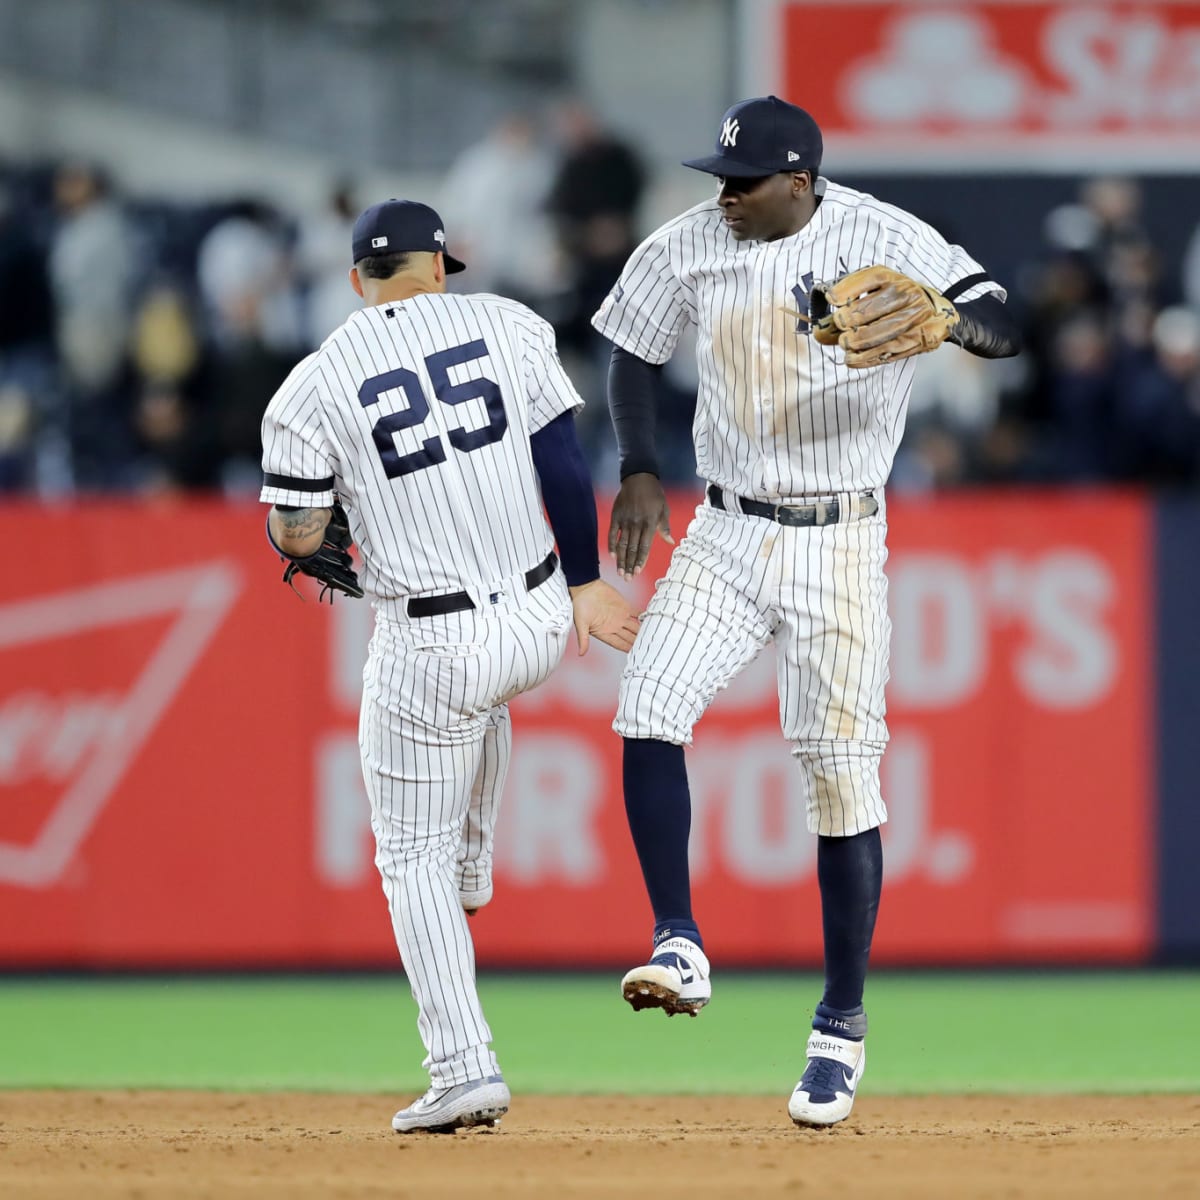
{"x":331,"y":565}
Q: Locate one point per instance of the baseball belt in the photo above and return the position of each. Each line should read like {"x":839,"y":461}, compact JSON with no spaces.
{"x":820,"y":512}
{"x":452,"y":602}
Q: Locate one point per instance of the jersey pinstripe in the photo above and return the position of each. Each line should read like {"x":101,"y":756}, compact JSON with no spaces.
{"x":779,"y":416}
{"x":737,"y":584}
{"x":436,"y":739}
{"x":418,"y":414}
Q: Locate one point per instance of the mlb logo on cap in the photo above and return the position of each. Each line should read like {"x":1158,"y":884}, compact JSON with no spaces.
{"x":401,"y":226}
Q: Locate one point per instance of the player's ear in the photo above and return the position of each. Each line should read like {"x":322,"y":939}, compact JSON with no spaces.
{"x":439,"y":268}
{"x":355,"y":282}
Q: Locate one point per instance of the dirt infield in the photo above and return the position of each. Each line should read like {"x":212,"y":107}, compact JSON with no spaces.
{"x":211,"y":1144}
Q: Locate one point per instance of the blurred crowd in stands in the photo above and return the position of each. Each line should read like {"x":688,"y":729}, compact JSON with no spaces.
{"x":140,"y":340}
{"x":1108,"y":386}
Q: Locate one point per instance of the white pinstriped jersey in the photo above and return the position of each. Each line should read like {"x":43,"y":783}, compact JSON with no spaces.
{"x":778,"y":415}
{"x":419,"y":414}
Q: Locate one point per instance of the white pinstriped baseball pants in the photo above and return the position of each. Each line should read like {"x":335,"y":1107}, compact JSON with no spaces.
{"x":738,"y":582}
{"x":435,"y":737}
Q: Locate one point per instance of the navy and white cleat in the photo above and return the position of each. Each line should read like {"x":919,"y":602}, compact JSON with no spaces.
{"x":825,"y":1093}
{"x":675,"y":979}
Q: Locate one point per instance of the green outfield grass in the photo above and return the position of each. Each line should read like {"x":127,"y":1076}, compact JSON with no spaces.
{"x":1077,"y":1032}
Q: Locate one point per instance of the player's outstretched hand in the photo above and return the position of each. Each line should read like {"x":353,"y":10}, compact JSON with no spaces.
{"x":639,"y":512}
{"x":602,"y":612}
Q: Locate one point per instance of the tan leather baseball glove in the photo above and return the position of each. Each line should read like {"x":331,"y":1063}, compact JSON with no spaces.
{"x":878,"y":315}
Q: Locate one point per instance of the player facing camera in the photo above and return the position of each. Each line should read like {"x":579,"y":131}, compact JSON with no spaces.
{"x":809,"y":299}
{"x":767,"y":207}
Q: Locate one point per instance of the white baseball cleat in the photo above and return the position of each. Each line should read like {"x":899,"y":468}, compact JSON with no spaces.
{"x":443,"y":1110}
{"x":825,"y":1093}
{"x":675,"y":979}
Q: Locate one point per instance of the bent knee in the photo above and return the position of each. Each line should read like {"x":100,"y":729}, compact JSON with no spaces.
{"x":841,"y":786}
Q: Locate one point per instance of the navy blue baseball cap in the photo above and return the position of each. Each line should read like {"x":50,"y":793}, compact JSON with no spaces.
{"x":763,"y":136}
{"x":396,"y":226}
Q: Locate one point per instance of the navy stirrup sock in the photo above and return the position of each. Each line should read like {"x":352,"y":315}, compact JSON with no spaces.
{"x":850,"y":874}
{"x":659,"y":808}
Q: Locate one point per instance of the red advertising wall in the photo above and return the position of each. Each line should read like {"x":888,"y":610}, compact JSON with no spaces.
{"x":974,"y":83}
{"x":179,"y":778}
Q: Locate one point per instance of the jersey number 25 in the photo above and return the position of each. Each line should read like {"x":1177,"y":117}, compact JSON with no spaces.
{"x":432,"y":451}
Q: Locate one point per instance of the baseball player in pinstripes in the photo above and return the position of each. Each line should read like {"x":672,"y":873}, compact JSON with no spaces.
{"x":436,"y":417}
{"x":802,"y":397}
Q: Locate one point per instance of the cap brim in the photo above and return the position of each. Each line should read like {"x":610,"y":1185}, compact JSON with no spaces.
{"x":453,"y":265}
{"x":720,"y":164}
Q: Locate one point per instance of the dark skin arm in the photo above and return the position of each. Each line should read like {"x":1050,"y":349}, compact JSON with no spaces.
{"x":640,"y":509}
{"x":639,"y":512}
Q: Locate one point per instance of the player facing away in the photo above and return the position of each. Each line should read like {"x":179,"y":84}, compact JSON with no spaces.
{"x":788,"y":546}
{"x":443,"y":422}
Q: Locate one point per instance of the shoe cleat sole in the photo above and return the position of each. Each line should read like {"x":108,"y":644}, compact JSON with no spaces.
{"x":817,"y":1122}
{"x":485,"y":1117}
{"x":644,"y":993}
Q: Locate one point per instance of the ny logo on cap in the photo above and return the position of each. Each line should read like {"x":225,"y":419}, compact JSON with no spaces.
{"x":439,"y":236}
{"x":730,"y":131}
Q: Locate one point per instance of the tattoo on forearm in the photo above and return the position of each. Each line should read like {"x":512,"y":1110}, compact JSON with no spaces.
{"x":302,"y":522}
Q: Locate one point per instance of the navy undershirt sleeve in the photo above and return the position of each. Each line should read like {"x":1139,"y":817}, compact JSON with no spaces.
{"x":632,"y":404}
{"x":567,"y":494}
{"x":986,"y":328}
